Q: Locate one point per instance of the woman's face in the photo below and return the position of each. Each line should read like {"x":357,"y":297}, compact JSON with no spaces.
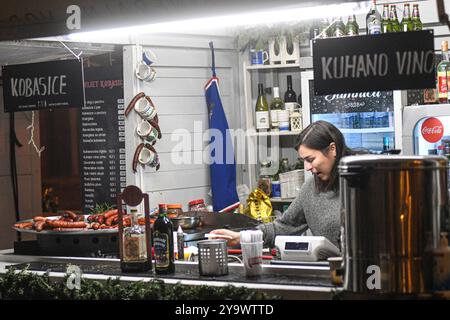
{"x":317,"y":162}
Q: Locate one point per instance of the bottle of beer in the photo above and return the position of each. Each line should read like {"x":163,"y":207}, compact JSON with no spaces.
{"x":339,"y":28}
{"x":322,"y":27}
{"x":163,"y":242}
{"x":394,"y":19}
{"x":417,"y":24}
{"x":386,"y":24}
{"x":352,"y":27}
{"x":262,"y":110}
{"x":443,"y":70}
{"x":406,"y":24}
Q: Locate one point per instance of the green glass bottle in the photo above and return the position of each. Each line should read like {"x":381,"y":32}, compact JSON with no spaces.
{"x":332,"y":24}
{"x":406,"y":24}
{"x":386,"y":24}
{"x":262,"y":110}
{"x":275,"y":105}
{"x":394,"y":19}
{"x":322,"y":27}
{"x":417,"y":24}
{"x":339,"y":28}
{"x":352,"y":27}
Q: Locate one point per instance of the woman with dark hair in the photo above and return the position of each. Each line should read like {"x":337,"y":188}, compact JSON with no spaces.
{"x":321,"y":146}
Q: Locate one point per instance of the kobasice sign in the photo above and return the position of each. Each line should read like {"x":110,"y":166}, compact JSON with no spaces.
{"x":44,"y":85}
{"x":392,"y":61}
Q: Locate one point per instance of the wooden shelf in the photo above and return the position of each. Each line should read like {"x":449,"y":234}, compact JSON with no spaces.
{"x":305,"y":63}
{"x":273,"y":66}
{"x":276,"y":133}
{"x":368,"y":130}
{"x":281,"y":200}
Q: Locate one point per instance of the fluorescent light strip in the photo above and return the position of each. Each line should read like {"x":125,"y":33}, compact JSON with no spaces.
{"x":267,"y":17}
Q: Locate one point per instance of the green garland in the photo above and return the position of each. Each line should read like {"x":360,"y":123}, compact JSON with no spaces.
{"x":25,"y":285}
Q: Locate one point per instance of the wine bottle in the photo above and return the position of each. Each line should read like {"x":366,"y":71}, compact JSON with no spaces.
{"x":262,"y":110}
{"x":290,"y":97}
{"x":134,"y":256}
{"x":275,"y":105}
{"x":373,"y":20}
{"x":163,"y":242}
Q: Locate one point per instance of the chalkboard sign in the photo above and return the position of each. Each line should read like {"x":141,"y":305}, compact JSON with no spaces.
{"x":102,"y":136}
{"x":391,"y":61}
{"x":44,"y":85}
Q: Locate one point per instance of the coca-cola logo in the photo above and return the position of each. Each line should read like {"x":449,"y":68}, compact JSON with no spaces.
{"x":432,"y":130}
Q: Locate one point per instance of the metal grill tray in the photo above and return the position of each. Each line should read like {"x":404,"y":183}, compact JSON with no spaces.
{"x":65,"y":232}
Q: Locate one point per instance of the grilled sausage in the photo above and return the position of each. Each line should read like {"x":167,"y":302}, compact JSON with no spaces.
{"x":110,"y":213}
{"x":72,"y":215}
{"x":65,"y":224}
{"x":39,"y":225}
{"x":109,"y":221}
{"x":39,"y":218}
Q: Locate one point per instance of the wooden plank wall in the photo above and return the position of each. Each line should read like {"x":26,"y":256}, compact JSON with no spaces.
{"x":178,"y":94}
{"x":28,"y":170}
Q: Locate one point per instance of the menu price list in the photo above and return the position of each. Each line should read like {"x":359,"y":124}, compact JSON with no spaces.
{"x":102,"y":137}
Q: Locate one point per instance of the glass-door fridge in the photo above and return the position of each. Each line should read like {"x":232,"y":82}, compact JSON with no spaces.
{"x":366,"y":119}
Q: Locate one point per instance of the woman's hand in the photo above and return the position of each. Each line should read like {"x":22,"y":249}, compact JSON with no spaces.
{"x":235,"y":236}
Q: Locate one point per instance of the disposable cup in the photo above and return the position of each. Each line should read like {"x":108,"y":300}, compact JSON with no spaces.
{"x":252,"y":258}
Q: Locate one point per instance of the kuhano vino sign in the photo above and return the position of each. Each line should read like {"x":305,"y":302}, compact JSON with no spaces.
{"x":391,"y":61}
{"x":44,"y":85}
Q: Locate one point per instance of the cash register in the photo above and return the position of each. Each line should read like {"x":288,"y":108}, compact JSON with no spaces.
{"x":305,"y":248}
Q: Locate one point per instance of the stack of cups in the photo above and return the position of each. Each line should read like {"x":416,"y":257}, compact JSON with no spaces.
{"x":252,"y":245}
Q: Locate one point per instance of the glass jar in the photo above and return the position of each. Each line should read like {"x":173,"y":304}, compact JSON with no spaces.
{"x":197,"y":205}
{"x":174,"y":210}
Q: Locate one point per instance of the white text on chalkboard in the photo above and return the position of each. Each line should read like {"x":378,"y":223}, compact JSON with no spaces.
{"x":376,"y":65}
{"x":38,"y":86}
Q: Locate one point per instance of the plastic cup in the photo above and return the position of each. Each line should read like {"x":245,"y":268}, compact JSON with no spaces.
{"x":252,"y":258}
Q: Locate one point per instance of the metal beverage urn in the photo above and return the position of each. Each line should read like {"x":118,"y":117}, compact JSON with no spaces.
{"x":393,"y":209}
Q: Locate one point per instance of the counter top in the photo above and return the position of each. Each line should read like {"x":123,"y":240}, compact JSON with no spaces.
{"x":290,"y":282}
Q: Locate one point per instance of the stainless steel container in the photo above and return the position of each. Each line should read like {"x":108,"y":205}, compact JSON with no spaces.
{"x":213,"y":257}
{"x":393,"y":209}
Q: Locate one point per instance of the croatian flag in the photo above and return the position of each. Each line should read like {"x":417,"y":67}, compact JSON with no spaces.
{"x":223,"y":167}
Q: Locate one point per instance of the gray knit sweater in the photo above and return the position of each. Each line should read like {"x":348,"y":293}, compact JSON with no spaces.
{"x":318,"y":211}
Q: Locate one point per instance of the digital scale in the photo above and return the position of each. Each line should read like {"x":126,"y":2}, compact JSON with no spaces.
{"x":305,"y":248}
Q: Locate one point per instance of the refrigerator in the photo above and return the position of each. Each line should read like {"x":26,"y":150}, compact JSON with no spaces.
{"x":366,"y":119}
{"x":426,"y":130}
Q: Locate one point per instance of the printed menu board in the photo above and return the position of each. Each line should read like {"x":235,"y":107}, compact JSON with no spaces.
{"x":102,"y":136}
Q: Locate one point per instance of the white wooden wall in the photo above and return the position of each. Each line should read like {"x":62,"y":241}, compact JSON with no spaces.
{"x":178,"y":94}
{"x":28,"y":171}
